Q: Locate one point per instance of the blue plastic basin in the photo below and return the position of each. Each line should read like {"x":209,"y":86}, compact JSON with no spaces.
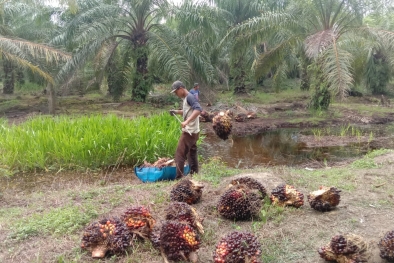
{"x":154,"y":174}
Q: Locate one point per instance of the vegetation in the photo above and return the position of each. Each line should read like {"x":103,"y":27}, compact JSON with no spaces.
{"x":87,"y":142}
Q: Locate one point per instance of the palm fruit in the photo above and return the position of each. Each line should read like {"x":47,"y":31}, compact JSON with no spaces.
{"x":287,"y":195}
{"x":206,"y":116}
{"x":139,"y":221}
{"x":252,"y":184}
{"x":177,"y":241}
{"x":386,"y":246}
{"x":239,"y":202}
{"x":324,"y":199}
{"x":160,"y":163}
{"x":346,"y":248}
{"x":237,"y":247}
{"x":222,"y":125}
{"x":186,"y":190}
{"x":182,"y":212}
{"x":106,"y":236}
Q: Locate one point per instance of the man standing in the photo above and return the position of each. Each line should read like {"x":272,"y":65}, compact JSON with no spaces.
{"x":187,"y":144}
{"x":196,"y":91}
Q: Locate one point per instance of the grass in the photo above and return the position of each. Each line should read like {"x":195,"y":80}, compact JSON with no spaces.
{"x":213,"y":171}
{"x":87,"y":141}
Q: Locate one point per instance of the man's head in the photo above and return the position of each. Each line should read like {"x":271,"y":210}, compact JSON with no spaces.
{"x":178,"y":88}
{"x":196,"y":86}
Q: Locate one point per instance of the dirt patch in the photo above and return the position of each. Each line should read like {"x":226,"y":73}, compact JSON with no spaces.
{"x":293,"y":235}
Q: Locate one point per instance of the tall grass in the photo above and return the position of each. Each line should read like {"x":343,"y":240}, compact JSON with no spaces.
{"x":87,"y":141}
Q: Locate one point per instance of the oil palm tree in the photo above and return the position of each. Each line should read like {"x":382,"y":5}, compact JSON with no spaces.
{"x":15,"y":19}
{"x":324,"y":30}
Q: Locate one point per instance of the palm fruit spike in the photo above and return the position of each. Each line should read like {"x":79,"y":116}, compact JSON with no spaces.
{"x":287,"y":195}
{"x":237,"y":247}
{"x":106,"y":236}
{"x":239,"y":202}
{"x":178,"y":241}
{"x":251,"y":183}
{"x":346,"y":248}
{"x":222,"y":125}
{"x":186,"y":190}
{"x":324,"y":199}
{"x":386,"y":246}
{"x":139,"y":221}
{"x":185,"y":213}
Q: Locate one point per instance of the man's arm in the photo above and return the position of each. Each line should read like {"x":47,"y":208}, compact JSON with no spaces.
{"x":193,"y":116}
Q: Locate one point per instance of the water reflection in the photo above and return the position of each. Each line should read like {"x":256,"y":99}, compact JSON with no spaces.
{"x":279,"y":147}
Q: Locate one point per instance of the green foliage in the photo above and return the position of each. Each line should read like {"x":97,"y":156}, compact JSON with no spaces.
{"x":56,"y":221}
{"x":367,"y":161}
{"x":87,"y":141}
{"x":321,"y":96}
{"x":271,"y":212}
{"x":378,"y":73}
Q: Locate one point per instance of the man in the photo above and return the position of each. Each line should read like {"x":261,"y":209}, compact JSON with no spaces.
{"x":187,"y":144}
{"x":196,"y":91}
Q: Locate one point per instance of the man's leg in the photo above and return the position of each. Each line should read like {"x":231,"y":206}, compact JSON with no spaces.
{"x":180,"y":155}
{"x":192,"y":156}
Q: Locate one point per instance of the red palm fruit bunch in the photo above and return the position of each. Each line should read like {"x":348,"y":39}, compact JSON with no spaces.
{"x":185,"y":213}
{"x":239,"y":202}
{"x":106,"y":236}
{"x":176,"y":241}
{"x":186,"y":190}
{"x":252,"y":184}
{"x":206,"y":116}
{"x":386,"y":246}
{"x":139,"y":221}
{"x":324,"y":199}
{"x":287,"y":195}
{"x":238,"y":247}
{"x":222,"y":125}
{"x":346,"y":248}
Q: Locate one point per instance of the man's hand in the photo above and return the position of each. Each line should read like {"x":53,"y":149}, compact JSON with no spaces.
{"x":172,"y":112}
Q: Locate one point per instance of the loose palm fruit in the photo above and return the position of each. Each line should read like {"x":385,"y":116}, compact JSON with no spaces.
{"x":239,"y":202}
{"x":106,"y":236}
{"x":386,"y":246}
{"x":347,"y":248}
{"x":186,"y":190}
{"x":237,"y":247}
{"x":324,"y":199}
{"x":287,"y":195}
{"x":139,"y":221}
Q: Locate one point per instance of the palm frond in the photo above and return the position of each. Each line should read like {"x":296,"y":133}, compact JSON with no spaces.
{"x":336,"y":67}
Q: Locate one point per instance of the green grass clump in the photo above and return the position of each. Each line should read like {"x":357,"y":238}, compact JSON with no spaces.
{"x":367,"y":161}
{"x":57,"y":221}
{"x":87,"y":142}
{"x":213,"y":171}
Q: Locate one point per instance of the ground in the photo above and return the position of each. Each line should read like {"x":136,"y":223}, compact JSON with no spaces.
{"x":36,"y":208}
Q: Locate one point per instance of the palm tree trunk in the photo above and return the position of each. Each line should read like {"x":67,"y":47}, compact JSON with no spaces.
{"x":141,"y":80}
{"x":9,"y":77}
{"x":51,"y":98}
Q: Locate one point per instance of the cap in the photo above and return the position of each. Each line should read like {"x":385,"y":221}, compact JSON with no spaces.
{"x":195,"y":85}
{"x":176,"y":85}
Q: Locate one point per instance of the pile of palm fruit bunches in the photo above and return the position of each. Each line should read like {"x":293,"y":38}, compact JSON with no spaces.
{"x":178,"y":235}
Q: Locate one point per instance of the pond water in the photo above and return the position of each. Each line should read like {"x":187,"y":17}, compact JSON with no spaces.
{"x":284,"y":146}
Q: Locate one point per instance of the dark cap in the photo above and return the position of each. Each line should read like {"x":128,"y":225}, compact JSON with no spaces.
{"x":176,"y":85}
{"x":195,"y":85}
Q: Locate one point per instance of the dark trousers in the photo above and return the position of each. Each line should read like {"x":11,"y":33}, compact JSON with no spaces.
{"x":187,"y":149}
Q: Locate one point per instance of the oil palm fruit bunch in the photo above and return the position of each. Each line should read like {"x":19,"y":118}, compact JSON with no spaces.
{"x":237,"y":247}
{"x":139,"y":221}
{"x":206,"y":116}
{"x":186,"y":190}
{"x":386,"y":246}
{"x":252,"y":184}
{"x":176,"y":241}
{"x":239,"y":202}
{"x":287,"y":195}
{"x":222,"y":125}
{"x":182,"y":212}
{"x":324,"y":199}
{"x":346,"y":248}
{"x":106,"y":236}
